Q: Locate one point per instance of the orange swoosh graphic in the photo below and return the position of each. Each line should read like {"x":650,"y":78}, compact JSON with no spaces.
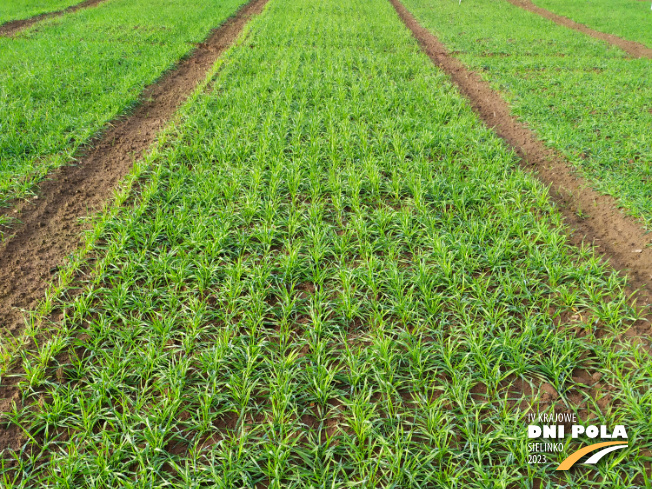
{"x":570,"y":461}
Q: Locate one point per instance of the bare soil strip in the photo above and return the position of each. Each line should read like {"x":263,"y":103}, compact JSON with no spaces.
{"x":632,"y":48}
{"x":618,"y":239}
{"x":50,"y":226}
{"x":12,"y":27}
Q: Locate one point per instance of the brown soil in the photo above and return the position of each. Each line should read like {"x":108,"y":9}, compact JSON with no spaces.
{"x":50,"y":226}
{"x":14,"y":26}
{"x":617,"y":238}
{"x":635,"y":49}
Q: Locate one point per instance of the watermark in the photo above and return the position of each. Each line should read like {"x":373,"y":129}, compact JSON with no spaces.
{"x":546,"y":433}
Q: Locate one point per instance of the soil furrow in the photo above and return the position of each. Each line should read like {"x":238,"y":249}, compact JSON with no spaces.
{"x":593,"y":218}
{"x":12,"y":27}
{"x":632,"y":48}
{"x":49,"y":226}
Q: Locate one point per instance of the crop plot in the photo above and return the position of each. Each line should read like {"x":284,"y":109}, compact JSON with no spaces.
{"x":589,"y":101}
{"x":12,"y":10}
{"x":63,"y":81}
{"x":330,"y":271}
{"x":633,"y":48}
{"x":12,"y":27}
{"x":630,"y":20}
{"x":335,"y":276}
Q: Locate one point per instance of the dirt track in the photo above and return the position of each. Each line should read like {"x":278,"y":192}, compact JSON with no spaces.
{"x":50,"y":226}
{"x":618,"y":239}
{"x":14,"y":26}
{"x":632,"y":48}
